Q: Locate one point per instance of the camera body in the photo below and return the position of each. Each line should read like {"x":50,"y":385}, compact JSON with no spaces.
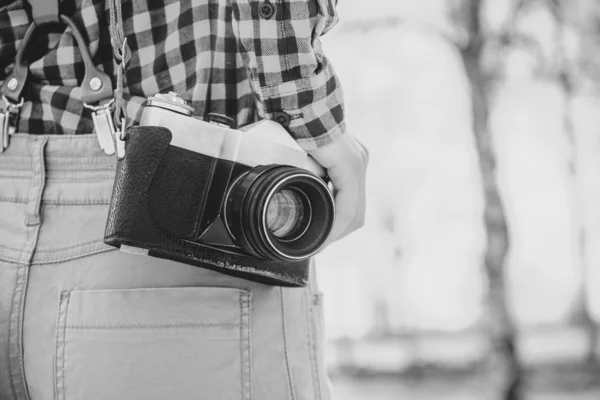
{"x":247,"y":202}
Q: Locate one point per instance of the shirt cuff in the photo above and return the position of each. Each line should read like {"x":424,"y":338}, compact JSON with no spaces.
{"x":311,"y":108}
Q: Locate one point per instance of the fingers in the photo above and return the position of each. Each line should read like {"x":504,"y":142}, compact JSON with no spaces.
{"x":358,"y":220}
{"x":345,"y":212}
{"x":346,"y":161}
{"x":350,"y":209}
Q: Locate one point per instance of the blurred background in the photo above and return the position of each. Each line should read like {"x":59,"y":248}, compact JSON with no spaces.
{"x":476,"y":275}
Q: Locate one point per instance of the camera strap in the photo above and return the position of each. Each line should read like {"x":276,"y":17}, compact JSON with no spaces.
{"x":122,"y":55}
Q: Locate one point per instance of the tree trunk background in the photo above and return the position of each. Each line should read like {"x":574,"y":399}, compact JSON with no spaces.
{"x":501,"y":329}
{"x":566,"y":83}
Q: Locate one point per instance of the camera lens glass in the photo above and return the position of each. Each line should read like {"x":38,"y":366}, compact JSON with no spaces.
{"x":288,"y":214}
{"x":280,"y":212}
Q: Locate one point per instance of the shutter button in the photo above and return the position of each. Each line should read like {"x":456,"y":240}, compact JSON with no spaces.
{"x":266,"y":10}
{"x":282,"y":118}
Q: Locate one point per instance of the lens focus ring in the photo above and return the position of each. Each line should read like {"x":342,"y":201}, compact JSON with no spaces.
{"x":281,"y":213}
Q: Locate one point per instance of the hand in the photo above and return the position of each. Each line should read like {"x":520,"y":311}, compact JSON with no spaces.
{"x":346,"y":161}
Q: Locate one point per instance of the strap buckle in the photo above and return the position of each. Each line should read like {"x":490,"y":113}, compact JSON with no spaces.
{"x":109,"y":139}
{"x":8,"y":121}
{"x":96,"y":87}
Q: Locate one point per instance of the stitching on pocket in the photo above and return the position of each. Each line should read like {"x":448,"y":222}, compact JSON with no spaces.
{"x":152,"y":326}
{"x":245,"y":346}
{"x":312,"y":341}
{"x":61,"y":344}
{"x":285,"y":346}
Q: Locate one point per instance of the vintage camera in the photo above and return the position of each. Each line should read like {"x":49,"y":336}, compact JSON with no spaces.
{"x":248,"y":202}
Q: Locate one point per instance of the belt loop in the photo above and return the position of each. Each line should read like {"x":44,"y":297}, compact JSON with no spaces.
{"x":33,"y":214}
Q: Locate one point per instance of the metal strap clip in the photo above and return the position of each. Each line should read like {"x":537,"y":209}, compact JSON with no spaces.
{"x":109,"y":139}
{"x":8,"y":121}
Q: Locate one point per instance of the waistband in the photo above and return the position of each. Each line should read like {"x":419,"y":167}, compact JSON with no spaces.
{"x":59,"y":186}
{"x":61,"y":153}
{"x":73,"y":168}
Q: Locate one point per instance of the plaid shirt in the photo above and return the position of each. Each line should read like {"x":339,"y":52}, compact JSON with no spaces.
{"x":247,"y":59}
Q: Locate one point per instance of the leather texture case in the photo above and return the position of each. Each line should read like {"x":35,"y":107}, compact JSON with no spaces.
{"x":136,"y":218}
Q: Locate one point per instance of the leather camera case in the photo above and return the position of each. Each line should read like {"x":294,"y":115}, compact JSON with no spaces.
{"x":134,"y":215}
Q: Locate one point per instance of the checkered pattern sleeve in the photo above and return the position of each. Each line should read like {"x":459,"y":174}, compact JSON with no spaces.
{"x":279,"y":43}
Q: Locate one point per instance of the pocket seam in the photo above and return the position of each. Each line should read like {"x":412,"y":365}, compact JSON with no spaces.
{"x":285,"y":346}
{"x":312,"y":341}
{"x":61,"y":328}
{"x":245,"y":346}
{"x":153,"y":326}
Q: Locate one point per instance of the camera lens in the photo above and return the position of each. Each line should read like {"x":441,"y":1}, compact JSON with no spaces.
{"x":280,"y":212}
{"x":288,"y":214}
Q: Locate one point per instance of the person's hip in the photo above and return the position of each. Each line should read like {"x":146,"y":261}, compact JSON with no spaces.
{"x":81,"y":320}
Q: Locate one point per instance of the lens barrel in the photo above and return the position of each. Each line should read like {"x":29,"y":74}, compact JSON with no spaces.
{"x":250,"y":212}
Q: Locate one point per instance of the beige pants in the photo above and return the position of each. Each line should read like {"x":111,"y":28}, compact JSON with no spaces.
{"x":80,"y":320}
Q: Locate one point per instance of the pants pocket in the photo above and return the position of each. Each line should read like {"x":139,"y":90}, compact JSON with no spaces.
{"x":167,"y":343}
